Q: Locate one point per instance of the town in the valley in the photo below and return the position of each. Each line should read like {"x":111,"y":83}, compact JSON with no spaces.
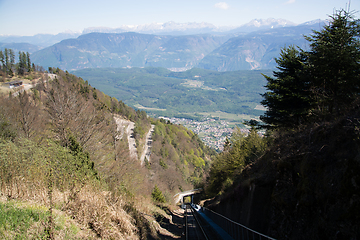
{"x":211,"y":131}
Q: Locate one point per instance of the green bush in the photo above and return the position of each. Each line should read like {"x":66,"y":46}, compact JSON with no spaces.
{"x":163,"y":164}
{"x":157,"y":195}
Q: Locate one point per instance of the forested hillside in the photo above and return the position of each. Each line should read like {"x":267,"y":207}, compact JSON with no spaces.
{"x":176,"y":149}
{"x":301,"y":181}
{"x":66,"y":168}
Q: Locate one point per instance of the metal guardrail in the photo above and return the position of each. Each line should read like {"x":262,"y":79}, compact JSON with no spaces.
{"x":234,"y":229}
{"x":186,"y":226}
{"x":198,"y":222}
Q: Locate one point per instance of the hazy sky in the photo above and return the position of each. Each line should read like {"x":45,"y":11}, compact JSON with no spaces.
{"x":29,"y":17}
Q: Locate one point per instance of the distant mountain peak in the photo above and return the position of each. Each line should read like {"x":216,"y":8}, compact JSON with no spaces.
{"x":167,"y":27}
{"x":263,"y":24}
{"x":316,"y":21}
{"x":270,"y":22}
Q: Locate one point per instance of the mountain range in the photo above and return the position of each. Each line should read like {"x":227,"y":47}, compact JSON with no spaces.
{"x":171,"y":45}
{"x":168,"y":28}
{"x":173,"y":28}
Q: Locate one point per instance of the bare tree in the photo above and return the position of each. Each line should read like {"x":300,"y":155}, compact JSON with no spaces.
{"x":27,"y":113}
{"x":70,"y":113}
{"x":90,"y":125}
{"x":62,"y":105}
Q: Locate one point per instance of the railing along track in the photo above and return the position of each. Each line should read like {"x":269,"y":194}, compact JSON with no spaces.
{"x":195,"y":231}
{"x":234,"y":229}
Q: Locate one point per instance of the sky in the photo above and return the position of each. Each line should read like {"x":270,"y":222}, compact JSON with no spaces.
{"x":30,"y":17}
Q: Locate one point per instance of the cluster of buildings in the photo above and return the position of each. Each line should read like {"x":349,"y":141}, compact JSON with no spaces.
{"x":212,"y":132}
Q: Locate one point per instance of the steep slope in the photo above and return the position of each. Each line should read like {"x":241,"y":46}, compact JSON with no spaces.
{"x":179,"y":159}
{"x":58,"y":140}
{"x":305,"y":187}
{"x":61,"y":148}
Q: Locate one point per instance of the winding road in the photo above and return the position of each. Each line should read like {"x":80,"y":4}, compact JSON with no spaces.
{"x":126,"y":126}
{"x":147,"y":148}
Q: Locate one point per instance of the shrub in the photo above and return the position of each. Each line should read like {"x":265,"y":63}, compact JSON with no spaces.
{"x":157,"y":195}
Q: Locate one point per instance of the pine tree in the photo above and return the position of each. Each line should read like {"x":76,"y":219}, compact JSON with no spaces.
{"x":335,"y":63}
{"x":21,"y":64}
{"x":11,"y":62}
{"x":287,"y":99}
{"x":28,"y":62}
{"x":157,"y":195}
{"x":6,"y":60}
{"x":2,"y":60}
{"x":318,"y":84}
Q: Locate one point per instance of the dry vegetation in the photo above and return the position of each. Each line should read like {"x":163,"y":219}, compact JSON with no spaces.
{"x":59,"y":152}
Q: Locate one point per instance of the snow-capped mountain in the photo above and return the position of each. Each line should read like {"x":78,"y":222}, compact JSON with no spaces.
{"x":163,"y":28}
{"x":269,"y":22}
{"x":168,"y":28}
{"x":317,"y":21}
{"x":263,"y":24}
{"x":174,"y":28}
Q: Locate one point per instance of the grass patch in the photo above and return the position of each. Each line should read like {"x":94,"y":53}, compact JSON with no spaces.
{"x":17,"y":222}
{"x":23,"y":221}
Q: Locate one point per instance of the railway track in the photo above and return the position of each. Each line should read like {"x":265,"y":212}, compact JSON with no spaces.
{"x":195,"y":227}
{"x":203,"y":223}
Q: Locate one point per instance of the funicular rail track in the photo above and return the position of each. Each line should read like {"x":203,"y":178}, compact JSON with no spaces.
{"x":202,"y":223}
{"x":193,"y":226}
